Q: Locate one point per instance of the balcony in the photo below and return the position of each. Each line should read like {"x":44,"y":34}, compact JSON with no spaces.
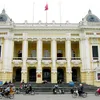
{"x":17,"y":60}
{"x":46,"y":60}
{"x":95,"y":58}
{"x":61,"y":61}
{"x":31,"y":60}
{"x":76,"y":60}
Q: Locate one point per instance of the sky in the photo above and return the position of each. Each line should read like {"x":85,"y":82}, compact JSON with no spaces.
{"x":58,"y":10}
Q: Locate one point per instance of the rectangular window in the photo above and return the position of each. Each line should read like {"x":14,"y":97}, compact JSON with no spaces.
{"x":46,"y":53}
{"x":95,"y":52}
{"x":98,"y":76}
{"x":0,"y":50}
{"x":33,"y":53}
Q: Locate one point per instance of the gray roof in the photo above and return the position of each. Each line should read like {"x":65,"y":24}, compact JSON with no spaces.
{"x":91,"y":17}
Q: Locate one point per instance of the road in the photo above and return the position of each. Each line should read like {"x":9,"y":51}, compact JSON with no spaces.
{"x":53,"y":97}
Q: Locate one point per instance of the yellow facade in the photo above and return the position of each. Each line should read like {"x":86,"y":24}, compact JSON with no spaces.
{"x":37,"y":52}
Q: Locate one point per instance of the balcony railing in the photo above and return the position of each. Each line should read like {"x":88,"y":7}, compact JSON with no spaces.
{"x":46,"y":58}
{"x":17,"y":58}
{"x":95,"y":58}
{"x":32,"y":58}
{"x":75,"y":58}
{"x":61,"y":58}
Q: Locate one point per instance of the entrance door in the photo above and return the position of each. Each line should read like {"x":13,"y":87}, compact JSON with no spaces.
{"x":60,"y":74}
{"x":32,"y":75}
{"x":76,"y":74}
{"x":18,"y":75}
{"x":46,"y":75}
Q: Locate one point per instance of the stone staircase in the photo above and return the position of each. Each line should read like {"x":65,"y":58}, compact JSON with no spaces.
{"x":48,"y":87}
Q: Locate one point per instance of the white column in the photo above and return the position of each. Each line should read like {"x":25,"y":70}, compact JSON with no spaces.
{"x":6,"y":60}
{"x":39,"y":58}
{"x":68,"y":54}
{"x":68,"y":57}
{"x":24,"y":58}
{"x":54,"y":58}
{"x":39,"y":55}
{"x":24,"y":54}
{"x":82,"y":54}
{"x":54,"y":54}
{"x":87,"y":54}
{"x":6,"y":55}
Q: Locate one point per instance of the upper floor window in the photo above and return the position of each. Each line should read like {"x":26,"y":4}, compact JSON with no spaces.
{"x":0,"y":50}
{"x":73,"y":53}
{"x":33,"y":53}
{"x":46,"y":53}
{"x":95,"y":52}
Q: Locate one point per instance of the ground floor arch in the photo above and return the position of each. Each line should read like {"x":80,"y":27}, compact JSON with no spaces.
{"x":61,"y":74}
{"x":46,"y":74}
{"x":76,"y":74}
{"x":31,"y":74}
{"x":17,"y":74}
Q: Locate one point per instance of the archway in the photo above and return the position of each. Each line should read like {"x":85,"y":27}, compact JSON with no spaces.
{"x":31,"y":74}
{"x":46,"y":74}
{"x":76,"y":74}
{"x":60,"y":74}
{"x":17,"y":74}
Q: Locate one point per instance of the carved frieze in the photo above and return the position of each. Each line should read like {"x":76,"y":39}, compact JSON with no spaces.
{"x":31,"y":62}
{"x":76,"y":62}
{"x":17,"y":62}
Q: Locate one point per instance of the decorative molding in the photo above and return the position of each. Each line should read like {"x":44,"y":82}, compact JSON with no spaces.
{"x":76,"y":62}
{"x":31,"y":62}
{"x":46,"y":62}
{"x":61,"y":62}
{"x":17,"y":62}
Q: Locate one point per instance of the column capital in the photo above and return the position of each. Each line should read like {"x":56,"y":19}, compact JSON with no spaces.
{"x":68,"y":39}
{"x":53,"y":39}
{"x":25,"y":38}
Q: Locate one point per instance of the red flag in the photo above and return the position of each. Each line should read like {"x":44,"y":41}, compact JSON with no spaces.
{"x":46,"y":7}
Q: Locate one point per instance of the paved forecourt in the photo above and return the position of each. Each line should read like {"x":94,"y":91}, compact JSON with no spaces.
{"x":53,"y":97}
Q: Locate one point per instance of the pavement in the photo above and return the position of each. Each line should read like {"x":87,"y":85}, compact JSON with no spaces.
{"x":53,"y":97}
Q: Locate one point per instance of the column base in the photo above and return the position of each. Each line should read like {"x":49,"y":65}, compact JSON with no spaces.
{"x":69,"y":77}
{"x":54,"y":77}
{"x":83,"y":77}
{"x":39,"y":77}
{"x":24,"y":77}
{"x":6,"y":76}
{"x":89,"y":78}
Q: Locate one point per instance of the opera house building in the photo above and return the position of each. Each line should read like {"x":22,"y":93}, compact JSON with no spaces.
{"x":35,"y":52}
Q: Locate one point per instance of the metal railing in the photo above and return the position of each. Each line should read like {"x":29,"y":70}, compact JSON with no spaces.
{"x":32,"y":58}
{"x":17,"y":58}
{"x":95,"y":58}
{"x":46,"y":58}
{"x":61,"y":58}
{"x":75,"y":58}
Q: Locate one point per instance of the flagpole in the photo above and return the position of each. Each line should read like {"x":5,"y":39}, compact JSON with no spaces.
{"x":46,"y":17}
{"x":46,"y":8}
{"x":33,"y":12}
{"x":60,"y":12}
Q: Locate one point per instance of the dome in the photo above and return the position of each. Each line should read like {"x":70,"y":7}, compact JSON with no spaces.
{"x":4,"y":17}
{"x":91,"y":17}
